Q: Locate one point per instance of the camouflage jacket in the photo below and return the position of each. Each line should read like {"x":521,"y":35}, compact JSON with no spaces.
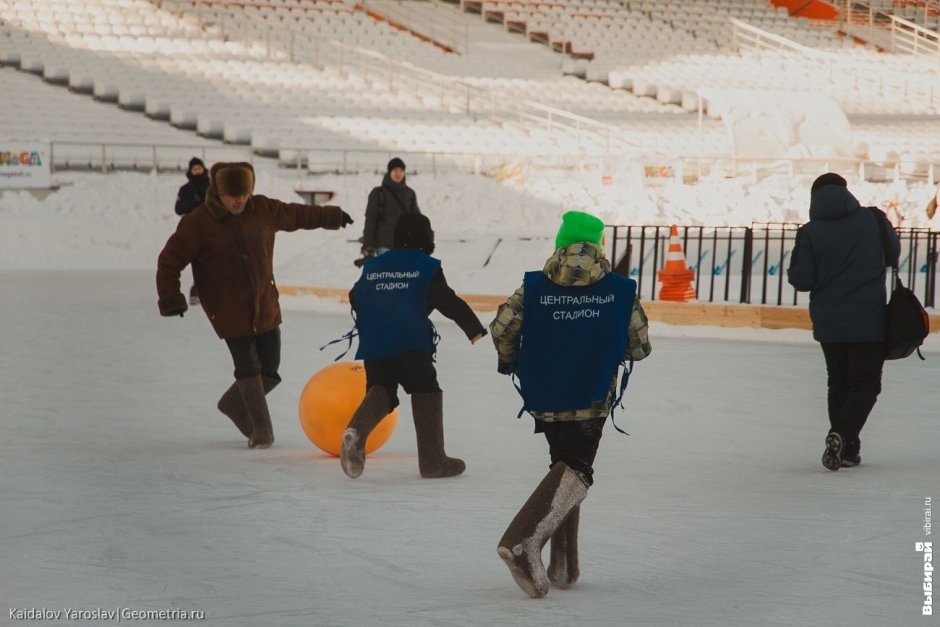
{"x":577,"y":264}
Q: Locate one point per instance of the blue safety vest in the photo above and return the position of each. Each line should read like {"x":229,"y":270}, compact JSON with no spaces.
{"x":391,"y":304}
{"x":573,"y":340}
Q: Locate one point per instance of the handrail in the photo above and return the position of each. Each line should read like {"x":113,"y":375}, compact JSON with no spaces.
{"x":440,"y":31}
{"x":470,"y":99}
{"x":104,"y":156}
{"x":453,"y":94}
{"x":913,"y":38}
{"x":751,"y":38}
{"x":98,"y":157}
{"x":888,"y":30}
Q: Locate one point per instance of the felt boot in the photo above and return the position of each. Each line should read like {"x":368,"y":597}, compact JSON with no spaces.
{"x":563,"y":565}
{"x":252,"y":393}
{"x":374,"y":407}
{"x":561,"y":491}
{"x":232,"y":405}
{"x":427,"y":409}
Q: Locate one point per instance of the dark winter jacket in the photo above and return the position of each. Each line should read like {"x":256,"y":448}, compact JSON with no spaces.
{"x":192,"y":193}
{"x":232,"y":258}
{"x":386,"y":204}
{"x":578,"y":264}
{"x":839,"y":259}
{"x":443,"y":298}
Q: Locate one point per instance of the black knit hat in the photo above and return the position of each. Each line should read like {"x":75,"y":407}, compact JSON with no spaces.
{"x":829,"y":178}
{"x":413,"y":230}
{"x":395,"y":163}
{"x":196,"y":161}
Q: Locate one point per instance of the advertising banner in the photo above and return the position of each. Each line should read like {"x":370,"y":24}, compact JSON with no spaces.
{"x":24,"y":166}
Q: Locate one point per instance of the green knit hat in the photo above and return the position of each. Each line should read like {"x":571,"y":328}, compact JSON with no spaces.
{"x":577,"y":226}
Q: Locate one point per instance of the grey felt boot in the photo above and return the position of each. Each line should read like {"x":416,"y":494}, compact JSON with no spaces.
{"x":551,"y":503}
{"x":373,"y":408}
{"x":563,"y":565}
{"x":232,"y":405}
{"x":427,"y":409}
{"x":252,"y":393}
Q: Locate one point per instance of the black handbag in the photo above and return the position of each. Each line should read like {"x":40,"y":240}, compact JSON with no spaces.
{"x":906,"y":321}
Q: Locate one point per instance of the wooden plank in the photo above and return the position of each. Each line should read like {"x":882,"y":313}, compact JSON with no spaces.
{"x":719,"y":315}
{"x":785,"y":318}
{"x":682,"y":314}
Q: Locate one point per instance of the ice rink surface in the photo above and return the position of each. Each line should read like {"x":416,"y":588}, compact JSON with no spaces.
{"x":123,"y":487}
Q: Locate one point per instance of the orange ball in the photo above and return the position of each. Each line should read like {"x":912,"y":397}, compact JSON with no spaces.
{"x":329,"y":401}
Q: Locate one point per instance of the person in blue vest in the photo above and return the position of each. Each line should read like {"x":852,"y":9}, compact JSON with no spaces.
{"x":564,"y":333}
{"x":392,"y":300}
{"x":839,"y":259}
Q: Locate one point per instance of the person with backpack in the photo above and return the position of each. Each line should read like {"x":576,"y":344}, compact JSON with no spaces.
{"x":387,"y":203}
{"x":392,"y":300}
{"x":565,"y":333}
{"x":193,"y":191}
{"x":190,"y":196}
{"x":839,"y":259}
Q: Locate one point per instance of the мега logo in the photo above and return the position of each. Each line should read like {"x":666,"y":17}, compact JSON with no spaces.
{"x":927,"y":549}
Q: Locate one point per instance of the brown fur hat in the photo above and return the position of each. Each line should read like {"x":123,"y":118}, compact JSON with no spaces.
{"x":233,"y":179}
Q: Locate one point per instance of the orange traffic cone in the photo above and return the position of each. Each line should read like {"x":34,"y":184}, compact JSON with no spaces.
{"x":676,"y":276}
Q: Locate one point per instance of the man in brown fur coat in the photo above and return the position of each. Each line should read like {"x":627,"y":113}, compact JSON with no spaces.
{"x":229,"y":240}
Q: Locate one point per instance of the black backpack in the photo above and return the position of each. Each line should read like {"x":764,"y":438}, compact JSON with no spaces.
{"x":906,"y":321}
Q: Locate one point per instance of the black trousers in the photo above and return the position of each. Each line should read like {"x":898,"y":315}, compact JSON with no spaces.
{"x":575,"y":443}
{"x":413,"y":371}
{"x":854,"y":370}
{"x":256,"y":354}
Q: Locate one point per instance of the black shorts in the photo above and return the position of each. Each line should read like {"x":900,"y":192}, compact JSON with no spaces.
{"x":413,"y":371}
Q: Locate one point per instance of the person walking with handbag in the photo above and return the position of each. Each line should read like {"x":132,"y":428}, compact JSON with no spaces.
{"x":839,"y":259}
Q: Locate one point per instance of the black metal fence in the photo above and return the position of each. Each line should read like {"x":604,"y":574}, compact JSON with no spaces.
{"x":749,"y":264}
